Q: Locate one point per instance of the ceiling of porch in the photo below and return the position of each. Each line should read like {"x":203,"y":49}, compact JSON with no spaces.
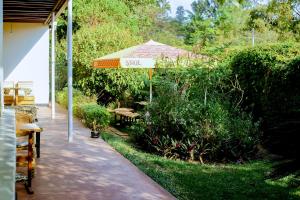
{"x":31,"y":11}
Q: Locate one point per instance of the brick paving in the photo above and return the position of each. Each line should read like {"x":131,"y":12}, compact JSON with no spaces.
{"x":85,"y":169}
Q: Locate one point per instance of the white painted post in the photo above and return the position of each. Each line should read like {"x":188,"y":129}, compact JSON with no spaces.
{"x":70,"y":73}
{"x":53,"y":24}
{"x":1,"y":59}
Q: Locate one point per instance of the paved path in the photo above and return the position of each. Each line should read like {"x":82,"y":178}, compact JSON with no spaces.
{"x":85,"y":169}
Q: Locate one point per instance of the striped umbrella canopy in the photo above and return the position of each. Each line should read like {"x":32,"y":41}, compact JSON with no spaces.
{"x":144,"y":56}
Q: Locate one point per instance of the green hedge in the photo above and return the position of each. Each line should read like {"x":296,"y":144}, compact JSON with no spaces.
{"x":268,"y":78}
{"x":95,"y":113}
{"x":78,"y":100}
{"x":85,"y":108}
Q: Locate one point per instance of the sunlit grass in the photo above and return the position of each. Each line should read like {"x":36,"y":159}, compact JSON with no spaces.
{"x":211,"y":181}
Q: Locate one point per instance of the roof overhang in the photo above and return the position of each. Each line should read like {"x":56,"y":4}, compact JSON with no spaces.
{"x":32,"y":11}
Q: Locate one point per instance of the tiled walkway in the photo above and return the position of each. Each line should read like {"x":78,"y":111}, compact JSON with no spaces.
{"x":85,"y":169}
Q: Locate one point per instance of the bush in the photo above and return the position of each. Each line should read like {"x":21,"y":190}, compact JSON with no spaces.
{"x":78,"y":100}
{"x":263,"y":74}
{"x":95,"y":113}
{"x":108,"y":85}
{"x":191,"y":117}
{"x":269,"y":78}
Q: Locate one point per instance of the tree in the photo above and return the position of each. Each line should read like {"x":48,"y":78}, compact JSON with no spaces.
{"x":106,"y":26}
{"x":201,"y":29}
{"x":180,"y":15}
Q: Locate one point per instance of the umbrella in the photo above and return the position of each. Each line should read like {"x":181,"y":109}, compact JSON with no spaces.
{"x":142,"y":56}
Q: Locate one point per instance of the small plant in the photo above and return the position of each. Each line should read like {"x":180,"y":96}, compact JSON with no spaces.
{"x":95,"y":117}
{"x":95,"y":126}
{"x":95,"y":130}
{"x":95,"y":133}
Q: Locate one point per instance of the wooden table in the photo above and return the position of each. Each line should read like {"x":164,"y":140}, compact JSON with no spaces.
{"x":7,"y":155}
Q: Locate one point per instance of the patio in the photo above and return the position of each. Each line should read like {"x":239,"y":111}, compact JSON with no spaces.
{"x":85,"y":169}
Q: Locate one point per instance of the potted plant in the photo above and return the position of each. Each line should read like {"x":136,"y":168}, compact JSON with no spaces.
{"x":96,"y":117}
{"x":95,"y":130}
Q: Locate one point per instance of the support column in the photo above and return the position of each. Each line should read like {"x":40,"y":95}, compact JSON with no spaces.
{"x":1,"y":59}
{"x":70,"y":73}
{"x":53,"y":24}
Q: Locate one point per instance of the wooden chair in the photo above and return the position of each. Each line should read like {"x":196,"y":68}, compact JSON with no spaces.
{"x":26,"y":122}
{"x":25,"y":128}
{"x":24,"y":94}
{"x":9,"y":92}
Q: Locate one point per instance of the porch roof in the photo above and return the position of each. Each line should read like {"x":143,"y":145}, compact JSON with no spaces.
{"x":31,"y":11}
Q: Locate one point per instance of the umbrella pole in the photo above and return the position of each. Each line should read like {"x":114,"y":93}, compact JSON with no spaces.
{"x":150,"y":78}
{"x":150,"y":91}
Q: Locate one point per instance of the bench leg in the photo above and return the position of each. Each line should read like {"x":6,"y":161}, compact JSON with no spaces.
{"x":38,"y":144}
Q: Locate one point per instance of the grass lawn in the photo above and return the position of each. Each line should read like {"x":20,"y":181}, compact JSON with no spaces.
{"x":195,"y":181}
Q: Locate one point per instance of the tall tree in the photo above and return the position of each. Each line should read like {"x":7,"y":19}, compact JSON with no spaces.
{"x":201,"y":30}
{"x":180,"y":14}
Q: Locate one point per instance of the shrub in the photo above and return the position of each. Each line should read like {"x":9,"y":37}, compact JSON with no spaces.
{"x":191,"y":117}
{"x":262,"y":73}
{"x":79,"y":99}
{"x":269,"y":79}
{"x":95,"y":113}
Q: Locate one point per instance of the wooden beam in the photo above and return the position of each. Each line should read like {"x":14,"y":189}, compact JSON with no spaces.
{"x":32,"y":11}
{"x":61,"y":4}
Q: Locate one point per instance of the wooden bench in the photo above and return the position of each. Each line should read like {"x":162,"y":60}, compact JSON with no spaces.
{"x":126,"y":116}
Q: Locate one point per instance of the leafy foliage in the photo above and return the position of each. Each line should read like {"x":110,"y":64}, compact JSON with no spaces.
{"x":265,"y":76}
{"x":103,"y":27}
{"x":95,"y":115}
{"x":192,"y":118}
{"x":78,"y":100}
{"x":85,"y":108}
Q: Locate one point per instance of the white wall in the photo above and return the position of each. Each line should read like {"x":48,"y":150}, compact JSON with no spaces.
{"x":26,"y":56}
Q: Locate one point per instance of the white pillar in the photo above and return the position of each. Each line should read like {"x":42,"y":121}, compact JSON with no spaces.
{"x":53,"y":24}
{"x":1,"y":59}
{"x":70,"y":74}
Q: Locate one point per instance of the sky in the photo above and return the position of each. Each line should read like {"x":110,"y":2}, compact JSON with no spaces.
{"x":175,"y":3}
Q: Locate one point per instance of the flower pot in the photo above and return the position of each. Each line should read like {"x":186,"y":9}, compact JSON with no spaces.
{"x":95,"y":134}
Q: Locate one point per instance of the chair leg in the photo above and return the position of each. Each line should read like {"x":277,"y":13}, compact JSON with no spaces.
{"x":30,"y":157}
{"x":38,"y":144}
